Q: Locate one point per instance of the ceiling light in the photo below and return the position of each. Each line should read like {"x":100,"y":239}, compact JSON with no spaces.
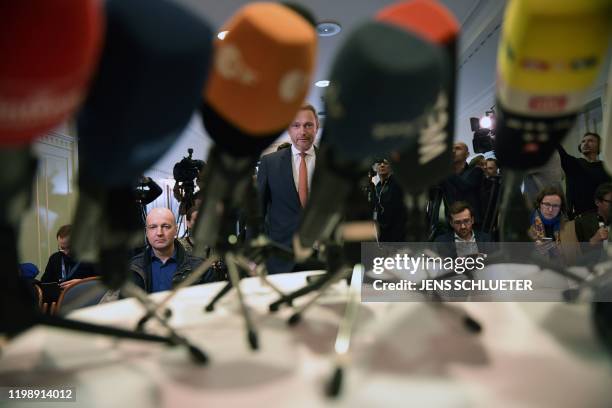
{"x":328,"y":28}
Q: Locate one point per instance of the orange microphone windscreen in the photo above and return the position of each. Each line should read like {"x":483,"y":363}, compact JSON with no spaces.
{"x":262,"y":69}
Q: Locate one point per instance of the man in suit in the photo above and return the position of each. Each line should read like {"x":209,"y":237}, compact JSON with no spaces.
{"x":283,"y":181}
{"x":463,"y":240}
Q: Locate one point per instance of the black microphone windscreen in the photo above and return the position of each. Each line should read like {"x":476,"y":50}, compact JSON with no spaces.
{"x":154,"y":64}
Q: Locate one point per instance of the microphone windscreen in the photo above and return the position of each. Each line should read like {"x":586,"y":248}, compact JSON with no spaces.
{"x":261,"y":70}
{"x":383,"y":81}
{"x":427,"y":18}
{"x":49,"y":51}
{"x":549,"y":55}
{"x":153,"y":67}
{"x":432,"y":154}
{"x":606,"y":134}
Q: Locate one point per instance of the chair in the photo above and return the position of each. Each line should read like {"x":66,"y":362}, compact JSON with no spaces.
{"x":81,"y":293}
{"x":39,"y":295}
{"x":48,"y":293}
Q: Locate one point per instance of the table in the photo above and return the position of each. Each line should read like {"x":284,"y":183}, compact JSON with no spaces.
{"x":403,"y":354}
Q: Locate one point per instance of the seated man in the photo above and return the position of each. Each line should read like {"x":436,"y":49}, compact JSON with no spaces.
{"x":60,"y":262}
{"x":463,"y":240}
{"x":61,"y":267}
{"x":164,"y":262}
{"x":592,"y":226}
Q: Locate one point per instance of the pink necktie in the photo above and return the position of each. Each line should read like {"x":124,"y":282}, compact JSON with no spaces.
{"x":303,"y":180}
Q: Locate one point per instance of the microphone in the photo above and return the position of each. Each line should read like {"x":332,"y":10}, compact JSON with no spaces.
{"x":260,"y":77}
{"x":51,"y":49}
{"x":41,"y":84}
{"x":154,"y":64}
{"x":432,"y":151}
{"x":606,"y":134}
{"x":549,"y":56}
{"x":369,"y":114}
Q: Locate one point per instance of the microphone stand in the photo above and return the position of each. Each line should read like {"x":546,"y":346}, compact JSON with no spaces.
{"x":18,"y":313}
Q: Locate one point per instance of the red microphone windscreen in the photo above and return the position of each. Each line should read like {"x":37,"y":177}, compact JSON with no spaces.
{"x":49,"y":51}
{"x":428,"y":18}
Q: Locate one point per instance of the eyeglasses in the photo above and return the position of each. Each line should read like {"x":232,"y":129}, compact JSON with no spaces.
{"x":164,"y":227}
{"x":462,"y":222}
{"x":307,"y":125}
{"x":550,"y":206}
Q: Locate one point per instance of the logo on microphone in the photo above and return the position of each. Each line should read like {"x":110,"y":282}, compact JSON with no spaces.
{"x":38,"y":108}
{"x":291,"y":85}
{"x":556,"y":103}
{"x":231,"y":66}
{"x":432,"y":138}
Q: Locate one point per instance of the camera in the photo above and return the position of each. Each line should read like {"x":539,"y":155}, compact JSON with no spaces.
{"x":484,"y":132}
{"x":188,"y":168}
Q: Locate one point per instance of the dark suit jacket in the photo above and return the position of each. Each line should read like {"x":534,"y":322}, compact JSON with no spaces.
{"x":464,"y":187}
{"x":446,"y":243}
{"x":280,"y":203}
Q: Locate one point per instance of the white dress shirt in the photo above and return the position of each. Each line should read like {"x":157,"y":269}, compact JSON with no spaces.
{"x":310,"y":165}
{"x":466,"y":246}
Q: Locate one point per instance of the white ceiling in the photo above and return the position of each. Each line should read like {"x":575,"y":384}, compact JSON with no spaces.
{"x":478,"y":19}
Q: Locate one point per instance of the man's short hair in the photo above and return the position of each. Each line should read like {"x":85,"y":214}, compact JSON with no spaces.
{"x":282,"y":146}
{"x":494,"y":160}
{"x":313,"y":110}
{"x":190,"y":212}
{"x":459,"y":206}
{"x":63,"y":231}
{"x":602,"y":190}
{"x":477,"y":161}
{"x":464,"y":145}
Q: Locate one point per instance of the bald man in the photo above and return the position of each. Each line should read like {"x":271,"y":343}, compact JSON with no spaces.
{"x":164,"y":262}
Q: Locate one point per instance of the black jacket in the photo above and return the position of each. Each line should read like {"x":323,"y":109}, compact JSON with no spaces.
{"x":582,"y":179}
{"x":53,"y":270}
{"x":445,"y":244}
{"x":391,"y":213}
{"x":464,"y":186}
{"x":140,"y":266}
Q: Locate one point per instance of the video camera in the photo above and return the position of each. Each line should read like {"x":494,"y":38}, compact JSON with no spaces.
{"x":484,"y":132}
{"x":188,"y":168}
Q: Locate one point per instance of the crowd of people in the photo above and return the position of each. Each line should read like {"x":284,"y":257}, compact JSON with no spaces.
{"x":470,"y":197}
{"x":471,"y":200}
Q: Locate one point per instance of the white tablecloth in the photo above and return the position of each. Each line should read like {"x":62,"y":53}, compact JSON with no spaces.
{"x":403,"y":354}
